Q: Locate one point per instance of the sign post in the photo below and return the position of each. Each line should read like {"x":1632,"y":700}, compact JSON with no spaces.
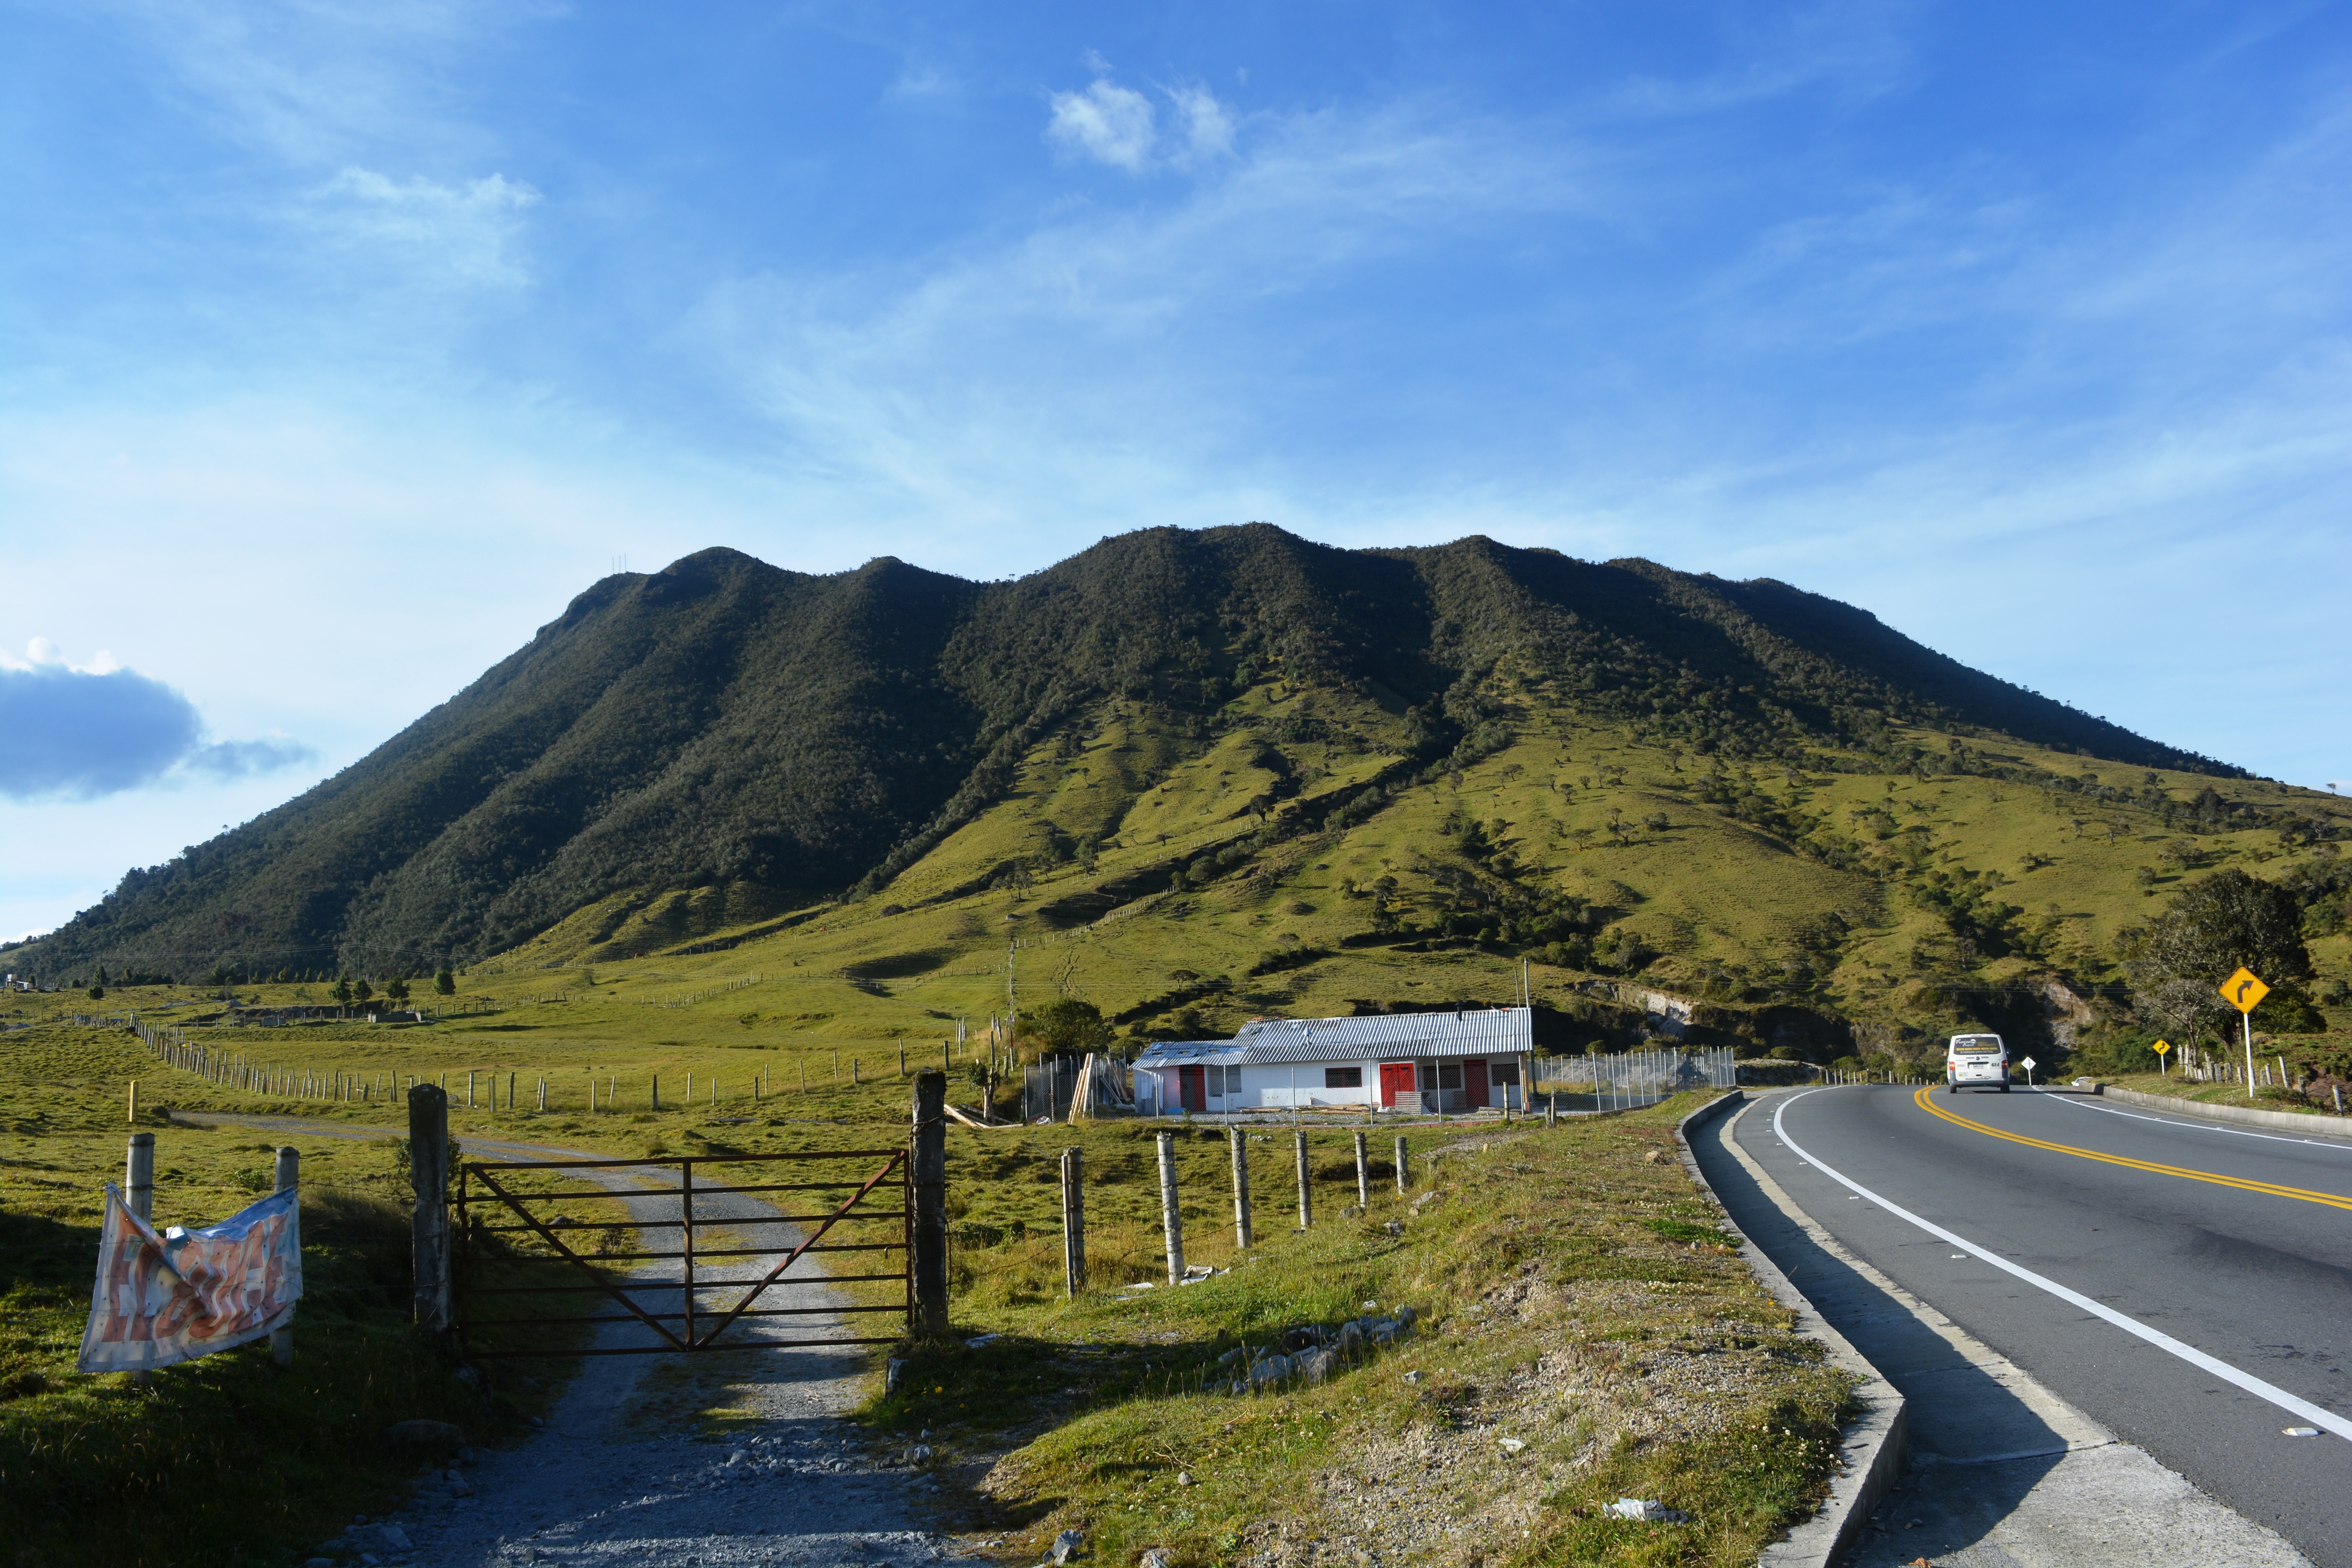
{"x":2161,"y":1047}
{"x":2028,"y":1064}
{"x":2245,"y":993}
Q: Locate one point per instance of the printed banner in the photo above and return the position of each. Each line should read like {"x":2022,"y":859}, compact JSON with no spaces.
{"x":186,"y":1293}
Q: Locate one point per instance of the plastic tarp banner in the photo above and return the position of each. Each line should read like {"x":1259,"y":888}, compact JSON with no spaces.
{"x":173,"y":1296}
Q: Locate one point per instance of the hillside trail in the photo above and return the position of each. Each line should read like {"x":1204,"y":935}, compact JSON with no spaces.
{"x":626,"y":1471}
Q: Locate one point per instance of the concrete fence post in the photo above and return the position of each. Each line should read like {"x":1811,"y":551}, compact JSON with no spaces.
{"x":1241,"y":1186}
{"x":1074,"y":1222}
{"x":1306,"y":1192}
{"x":428,"y":1173}
{"x":1171,"y":1220}
{"x":927,"y":1230}
{"x":1404,"y":1170}
{"x":290,"y":1180}
{"x":139,"y":1176}
{"x":1363,"y":1175}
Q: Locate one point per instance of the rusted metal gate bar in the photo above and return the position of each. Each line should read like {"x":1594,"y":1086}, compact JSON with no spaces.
{"x":500,"y":1197}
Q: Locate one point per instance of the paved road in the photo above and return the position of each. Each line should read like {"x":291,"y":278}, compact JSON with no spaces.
{"x":2236,"y":1246}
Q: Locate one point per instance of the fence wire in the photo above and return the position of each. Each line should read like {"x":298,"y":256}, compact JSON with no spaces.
{"x":1630,"y":1079}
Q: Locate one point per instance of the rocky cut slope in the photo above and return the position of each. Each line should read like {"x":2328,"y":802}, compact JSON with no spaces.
{"x":774,"y":738}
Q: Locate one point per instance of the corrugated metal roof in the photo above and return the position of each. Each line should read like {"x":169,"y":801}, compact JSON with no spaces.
{"x":1171,"y":1052}
{"x":1390,"y":1037}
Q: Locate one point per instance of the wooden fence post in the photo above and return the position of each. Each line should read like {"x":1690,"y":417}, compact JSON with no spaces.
{"x":1172,"y":1221}
{"x":1306,"y":1191}
{"x":1240,"y":1141}
{"x":927,"y":1232}
{"x":289,"y":1179}
{"x":1074,"y":1222}
{"x":428,"y":1171}
{"x":139,"y":1176}
{"x":1403,"y":1179}
{"x":1363,"y":1176}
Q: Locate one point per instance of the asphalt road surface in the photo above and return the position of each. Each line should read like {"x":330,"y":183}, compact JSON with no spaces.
{"x":2221,"y":1257}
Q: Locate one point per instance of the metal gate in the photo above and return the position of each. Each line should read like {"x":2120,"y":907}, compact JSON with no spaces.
{"x":664,"y":1199}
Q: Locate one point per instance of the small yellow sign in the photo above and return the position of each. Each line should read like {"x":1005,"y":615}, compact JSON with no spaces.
{"x":2161,"y":1047}
{"x":2243,"y":991}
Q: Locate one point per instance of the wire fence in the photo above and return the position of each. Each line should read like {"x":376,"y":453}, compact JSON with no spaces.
{"x":1630,"y":1079}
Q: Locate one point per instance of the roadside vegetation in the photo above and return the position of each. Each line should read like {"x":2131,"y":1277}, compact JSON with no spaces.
{"x":1584,"y":1331}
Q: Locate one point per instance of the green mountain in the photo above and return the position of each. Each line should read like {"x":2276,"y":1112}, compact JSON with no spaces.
{"x":723,"y":747}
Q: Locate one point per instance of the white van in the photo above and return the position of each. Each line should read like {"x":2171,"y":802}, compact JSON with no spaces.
{"x":1978,"y":1059}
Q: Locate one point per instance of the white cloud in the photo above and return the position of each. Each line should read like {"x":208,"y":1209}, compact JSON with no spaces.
{"x":1208,"y":129}
{"x":1107,"y":122}
{"x":1117,"y":125}
{"x":465,"y":233}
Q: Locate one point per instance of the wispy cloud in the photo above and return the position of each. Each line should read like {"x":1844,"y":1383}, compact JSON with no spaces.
{"x":251,"y":759}
{"x":313,"y":83}
{"x":1854,"y":48}
{"x":467,"y":233}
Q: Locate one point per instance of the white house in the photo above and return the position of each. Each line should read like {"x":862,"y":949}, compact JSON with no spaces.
{"x":1413,"y":1061}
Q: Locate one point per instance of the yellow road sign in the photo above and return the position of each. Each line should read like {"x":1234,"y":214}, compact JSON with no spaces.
{"x":2161,"y":1047}
{"x":2243,"y":991}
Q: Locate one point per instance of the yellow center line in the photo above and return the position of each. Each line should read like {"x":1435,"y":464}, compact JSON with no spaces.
{"x":1924,"y":1099}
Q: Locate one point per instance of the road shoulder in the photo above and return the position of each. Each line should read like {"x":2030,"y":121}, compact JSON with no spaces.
{"x":1874,"y":1445}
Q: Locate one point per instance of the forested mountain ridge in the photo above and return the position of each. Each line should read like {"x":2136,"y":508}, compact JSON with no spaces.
{"x":774,"y":738}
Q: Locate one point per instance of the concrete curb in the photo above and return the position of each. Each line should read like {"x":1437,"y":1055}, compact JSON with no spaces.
{"x":1875,"y":1445}
{"x":2321,"y":1126}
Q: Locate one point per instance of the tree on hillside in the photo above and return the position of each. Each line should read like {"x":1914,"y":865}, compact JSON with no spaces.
{"x":1067,"y":1024}
{"x":344,"y":989}
{"x":2209,"y":930}
{"x":445,"y":984}
{"x":362,"y":989}
{"x":395,"y":990}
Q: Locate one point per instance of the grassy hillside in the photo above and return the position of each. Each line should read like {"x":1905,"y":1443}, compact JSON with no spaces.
{"x":1788,"y":899}
{"x":722,"y":743}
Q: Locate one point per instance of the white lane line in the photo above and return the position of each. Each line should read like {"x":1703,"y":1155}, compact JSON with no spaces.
{"x":2331,"y":1146}
{"x":2163,"y":1341}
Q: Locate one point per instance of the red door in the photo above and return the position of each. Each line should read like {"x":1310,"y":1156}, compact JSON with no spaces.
{"x":1195,"y":1082}
{"x":1396,"y":1077}
{"x":1473,"y":1083}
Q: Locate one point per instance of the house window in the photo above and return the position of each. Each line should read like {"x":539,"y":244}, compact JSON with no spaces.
{"x":1501,"y":1074}
{"x":1225,"y":1080}
{"x":1449,"y":1075}
{"x":1343,"y":1078}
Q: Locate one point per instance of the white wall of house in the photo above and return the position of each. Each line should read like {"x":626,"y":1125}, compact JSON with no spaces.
{"x":1281,"y":1086}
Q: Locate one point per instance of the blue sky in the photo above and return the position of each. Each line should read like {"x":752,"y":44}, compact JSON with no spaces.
{"x":341,"y":345}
